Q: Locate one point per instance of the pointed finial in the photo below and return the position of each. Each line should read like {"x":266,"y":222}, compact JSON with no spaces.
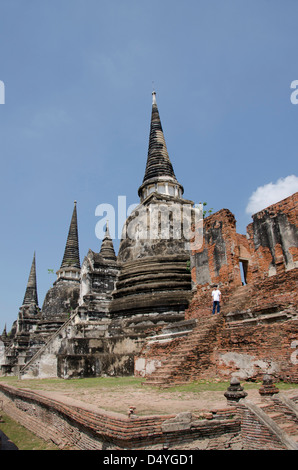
{"x":153,"y":97}
{"x":4,"y":331}
{"x":107,"y":233}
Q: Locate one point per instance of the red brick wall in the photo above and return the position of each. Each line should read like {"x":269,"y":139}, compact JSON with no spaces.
{"x":273,"y":238}
{"x":260,"y":328}
{"x":270,"y":247}
{"x":260,"y":317}
{"x":87,"y":428}
{"x":255,"y":435}
{"x":253,"y":350}
{"x":218,"y":257}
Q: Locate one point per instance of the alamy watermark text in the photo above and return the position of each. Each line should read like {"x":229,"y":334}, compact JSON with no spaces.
{"x":2,"y":92}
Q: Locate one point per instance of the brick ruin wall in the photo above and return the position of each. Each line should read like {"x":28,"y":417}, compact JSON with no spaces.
{"x":261,"y":323}
{"x":259,"y":332}
{"x":251,"y":352}
{"x":270,"y":247}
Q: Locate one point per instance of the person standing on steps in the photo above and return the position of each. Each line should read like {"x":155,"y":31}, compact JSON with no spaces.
{"x":216,"y":296}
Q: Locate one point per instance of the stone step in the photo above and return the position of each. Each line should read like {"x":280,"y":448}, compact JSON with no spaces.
{"x":193,"y":348}
{"x":290,"y":430}
{"x":284,"y":421}
{"x":276,"y":415}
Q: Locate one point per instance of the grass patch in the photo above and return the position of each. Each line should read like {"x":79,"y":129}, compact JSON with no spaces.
{"x":118,"y":383}
{"x":198,"y":386}
{"x":74,"y":384}
{"x":22,"y":438}
{"x":208,"y":386}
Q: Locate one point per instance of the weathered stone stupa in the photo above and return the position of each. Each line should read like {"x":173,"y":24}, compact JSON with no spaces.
{"x":62,"y":299}
{"x":152,"y":256}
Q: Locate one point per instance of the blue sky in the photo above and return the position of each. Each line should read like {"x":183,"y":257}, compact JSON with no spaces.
{"x":75,"y":124}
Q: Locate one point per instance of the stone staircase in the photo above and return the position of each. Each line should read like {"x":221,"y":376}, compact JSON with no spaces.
{"x":191,"y":358}
{"x":284,"y":413}
{"x":34,"y":360}
{"x":270,"y":424}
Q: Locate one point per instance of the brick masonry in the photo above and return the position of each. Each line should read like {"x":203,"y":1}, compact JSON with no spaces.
{"x":269,"y":247}
{"x":259,"y":328}
{"x":73,"y":425}
{"x":270,"y":424}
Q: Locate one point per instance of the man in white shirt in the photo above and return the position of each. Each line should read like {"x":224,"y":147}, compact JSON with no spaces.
{"x":216,"y":295}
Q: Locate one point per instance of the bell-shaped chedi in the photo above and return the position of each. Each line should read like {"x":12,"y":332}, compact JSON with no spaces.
{"x":152,"y":255}
{"x":98,"y":277}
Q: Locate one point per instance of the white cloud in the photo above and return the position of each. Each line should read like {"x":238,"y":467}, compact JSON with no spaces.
{"x":271,"y":193}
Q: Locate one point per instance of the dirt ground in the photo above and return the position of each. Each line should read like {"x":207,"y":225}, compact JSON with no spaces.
{"x":154,"y":402}
{"x":118,"y":396}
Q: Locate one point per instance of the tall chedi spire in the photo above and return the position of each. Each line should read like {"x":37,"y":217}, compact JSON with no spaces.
{"x":159,"y":174}
{"x":70,"y":266}
{"x":31,"y":289}
{"x":29,"y":310}
{"x":62,"y":298}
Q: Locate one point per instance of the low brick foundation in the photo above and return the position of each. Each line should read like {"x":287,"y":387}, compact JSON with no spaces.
{"x":269,"y":424}
{"x":73,"y":425}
